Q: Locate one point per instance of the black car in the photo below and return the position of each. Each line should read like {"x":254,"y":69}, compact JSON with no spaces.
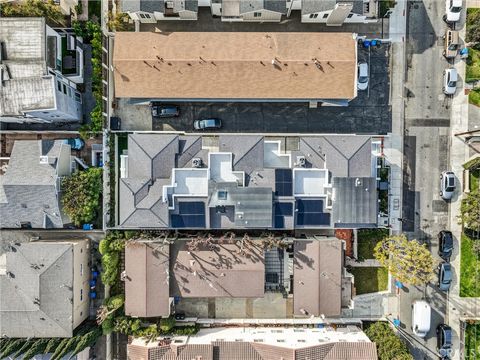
{"x":444,"y":340}
{"x":445,"y":244}
{"x":179,"y":316}
{"x":164,"y":111}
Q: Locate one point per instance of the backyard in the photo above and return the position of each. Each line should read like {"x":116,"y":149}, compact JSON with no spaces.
{"x":474,"y":179}
{"x":369,"y":279}
{"x":469,"y":269}
{"x":367,"y":240}
{"x":472,"y":341}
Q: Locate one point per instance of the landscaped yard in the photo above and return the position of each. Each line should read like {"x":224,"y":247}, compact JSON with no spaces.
{"x":473,"y":61}
{"x":370,"y":279}
{"x":367,"y":240}
{"x":469,"y":269}
{"x":472,"y":341}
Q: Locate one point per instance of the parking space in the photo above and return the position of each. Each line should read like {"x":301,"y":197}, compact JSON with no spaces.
{"x":369,"y":113}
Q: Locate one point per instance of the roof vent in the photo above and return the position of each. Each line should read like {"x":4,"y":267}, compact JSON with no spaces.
{"x":301,"y":161}
{"x":43,"y":159}
{"x":358,"y":182}
{"x":197,"y":162}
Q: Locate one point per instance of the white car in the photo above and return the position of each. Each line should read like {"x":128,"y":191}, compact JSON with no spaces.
{"x":453,"y":10}
{"x":362,"y":82}
{"x":421,"y":316}
{"x":450,"y":78}
{"x":447,"y":185}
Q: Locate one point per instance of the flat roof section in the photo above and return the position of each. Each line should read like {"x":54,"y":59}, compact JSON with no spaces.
{"x":235,"y":65}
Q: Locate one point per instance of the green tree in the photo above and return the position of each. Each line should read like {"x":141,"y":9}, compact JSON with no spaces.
{"x":109,"y":307}
{"x":408,"y":261}
{"x":52,"y":344}
{"x":470,"y":210}
{"x":473,"y":26}
{"x":110,"y":263}
{"x":389,"y":346}
{"x":82,"y":194}
{"x":13,"y":346}
{"x":87,"y":340}
{"x":34,"y":8}
{"x":38,"y":347}
{"x":167,"y":324}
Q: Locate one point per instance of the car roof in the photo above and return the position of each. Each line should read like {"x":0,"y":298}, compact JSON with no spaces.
{"x":453,"y":74}
{"x":457,"y":2}
{"x":363,"y":68}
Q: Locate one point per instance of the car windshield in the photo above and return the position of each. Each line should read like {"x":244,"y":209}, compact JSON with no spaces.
{"x":363,"y":79}
{"x":452,"y":84}
{"x":456,"y":9}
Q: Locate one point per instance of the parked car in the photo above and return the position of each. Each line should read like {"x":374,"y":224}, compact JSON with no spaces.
{"x":164,"y":111}
{"x":75,"y":143}
{"x":445,"y":244}
{"x":451,"y":44}
{"x":450,"y":78}
{"x":207,"y":124}
{"x":362,"y":82}
{"x":447,"y":185}
{"x":453,"y":9}
{"x":444,"y":339}
{"x":179,"y":316}
{"x":444,"y":276}
{"x":421,"y":316}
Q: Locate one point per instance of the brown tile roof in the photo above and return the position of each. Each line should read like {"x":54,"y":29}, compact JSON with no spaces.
{"x":227,"y":350}
{"x":317,"y":277}
{"x":235,"y":65}
{"x":146,"y":283}
{"x":217,"y":272}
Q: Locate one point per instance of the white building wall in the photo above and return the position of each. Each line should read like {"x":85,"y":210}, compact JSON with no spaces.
{"x":322,"y":17}
{"x":216,"y":9}
{"x":81,"y":277}
{"x":265,"y":16}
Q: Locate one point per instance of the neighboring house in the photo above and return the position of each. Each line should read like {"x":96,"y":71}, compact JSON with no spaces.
{"x":252,"y":10}
{"x":259,"y":343}
{"x":44,"y":287}
{"x":321,"y":285}
{"x":338,"y":12}
{"x":236,"y":66}
{"x":171,"y":181}
{"x":151,"y":11}
{"x":39,"y":69}
{"x":30,"y":187}
{"x":156,"y":274}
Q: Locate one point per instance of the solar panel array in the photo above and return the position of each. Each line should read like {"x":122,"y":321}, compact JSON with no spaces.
{"x":281,"y":210}
{"x":283,"y":182}
{"x":310,"y":212}
{"x":191,"y":215}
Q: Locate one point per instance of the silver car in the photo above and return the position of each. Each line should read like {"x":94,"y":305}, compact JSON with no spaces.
{"x":447,"y":185}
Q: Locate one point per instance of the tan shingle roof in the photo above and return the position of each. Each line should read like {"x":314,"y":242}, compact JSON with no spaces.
{"x":146,"y":283}
{"x":317,"y":277}
{"x":217,"y":272}
{"x":235,"y":65}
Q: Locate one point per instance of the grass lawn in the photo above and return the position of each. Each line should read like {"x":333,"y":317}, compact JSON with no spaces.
{"x":370,"y":279}
{"x":472,"y":341}
{"x":473,"y":65}
{"x":367,"y":239}
{"x":469,"y":269}
{"x":474,"y":179}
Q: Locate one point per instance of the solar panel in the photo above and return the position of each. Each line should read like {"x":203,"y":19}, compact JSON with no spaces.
{"x":283,"y":182}
{"x":281,"y":210}
{"x":191,"y":215}
{"x":310,"y":212}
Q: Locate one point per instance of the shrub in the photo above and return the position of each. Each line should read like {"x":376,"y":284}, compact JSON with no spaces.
{"x":82,"y":194}
{"x":34,"y":8}
{"x":389,"y":346}
{"x":167,"y":324}
{"x":472,"y":164}
{"x":110,"y":272}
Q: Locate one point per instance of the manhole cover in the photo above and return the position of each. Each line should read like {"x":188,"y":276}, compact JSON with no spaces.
{"x":439,"y":206}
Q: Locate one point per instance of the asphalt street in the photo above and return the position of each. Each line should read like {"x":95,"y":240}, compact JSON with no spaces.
{"x":426,"y":145}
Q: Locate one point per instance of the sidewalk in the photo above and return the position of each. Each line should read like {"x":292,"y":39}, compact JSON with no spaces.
{"x":458,"y":308}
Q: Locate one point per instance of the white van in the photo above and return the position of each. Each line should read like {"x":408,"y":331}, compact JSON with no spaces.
{"x":421,"y":313}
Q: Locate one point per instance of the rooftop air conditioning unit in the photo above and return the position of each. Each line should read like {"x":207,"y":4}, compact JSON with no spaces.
{"x":197,"y":162}
{"x":301,"y":161}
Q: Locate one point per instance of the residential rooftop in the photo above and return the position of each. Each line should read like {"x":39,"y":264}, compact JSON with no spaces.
{"x":236,"y":65}
{"x":248,"y":343}
{"x":248,"y":182}
{"x":25,"y":84}
{"x":29,"y":189}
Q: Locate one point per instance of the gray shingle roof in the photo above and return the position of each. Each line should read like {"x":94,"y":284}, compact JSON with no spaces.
{"x":38,"y":281}
{"x":240,"y":7}
{"x":313,"y":6}
{"x":29,"y":187}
